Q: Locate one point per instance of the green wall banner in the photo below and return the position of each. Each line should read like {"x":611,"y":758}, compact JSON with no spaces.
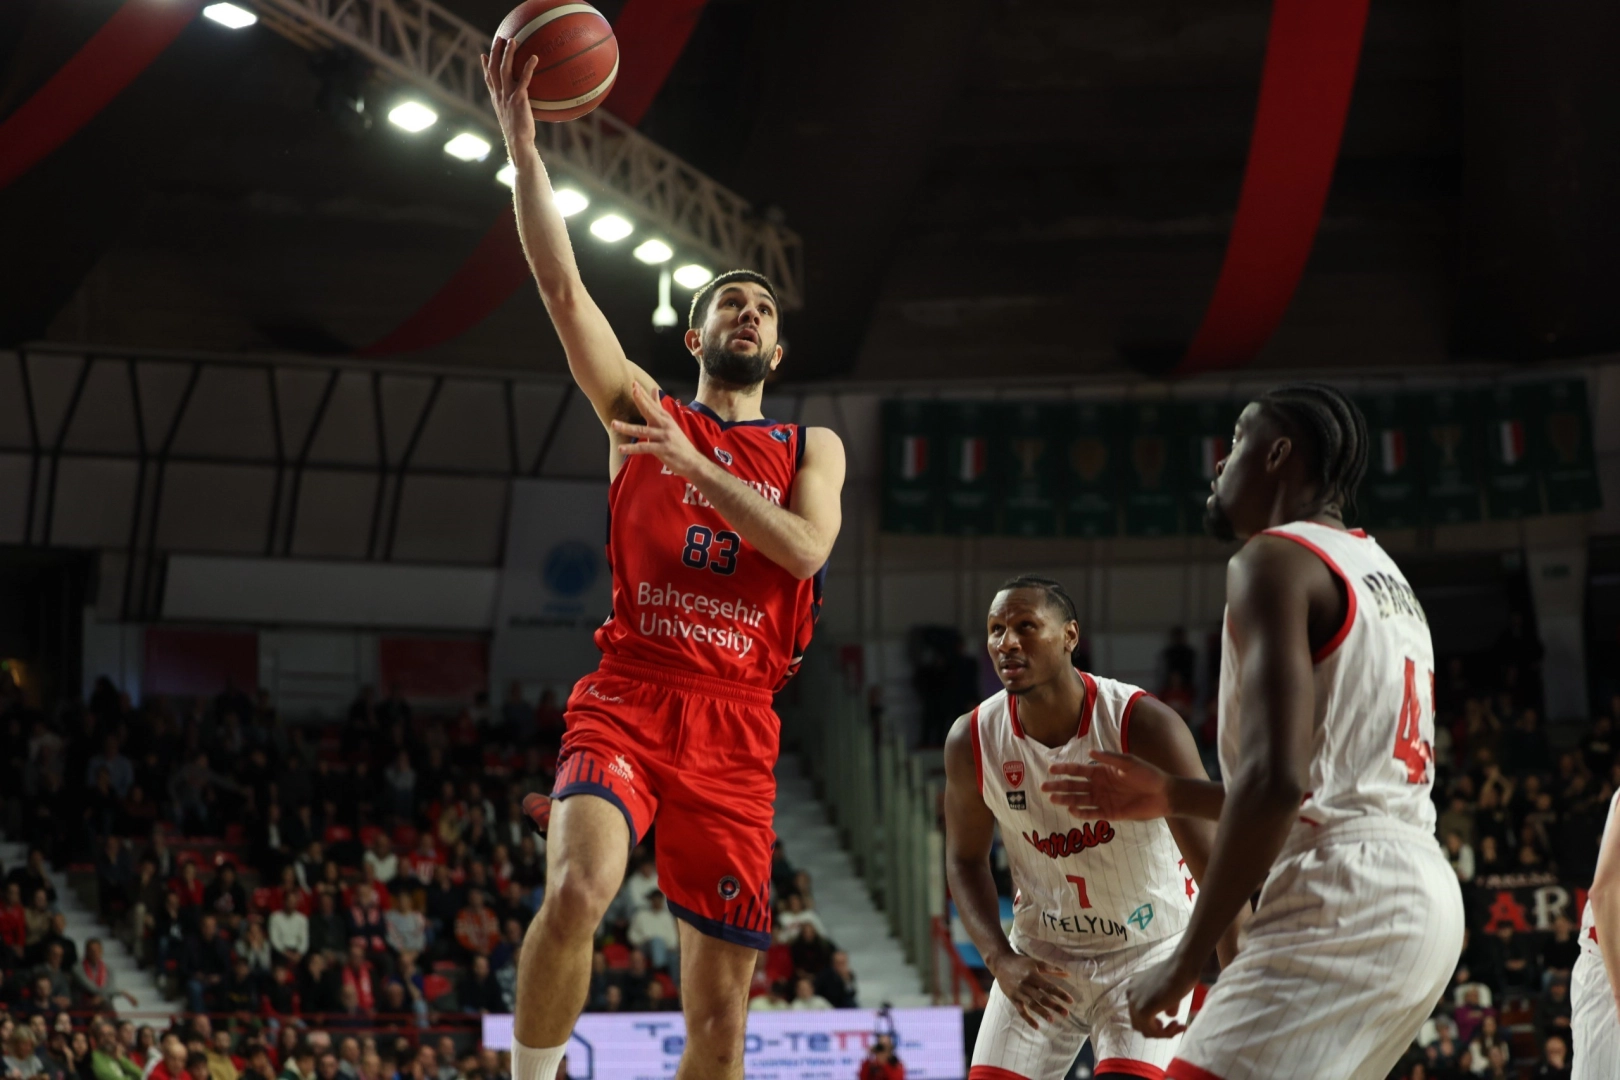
{"x":1028,"y":442}
{"x":1152,"y":469}
{"x":1512,"y":489}
{"x":1092,"y":466}
{"x":1563,"y":438}
{"x":1391,"y":496}
{"x":911,"y":467}
{"x":971,"y":469}
{"x":1103,"y":468}
{"x":1207,"y":440}
{"x":1450,"y":466}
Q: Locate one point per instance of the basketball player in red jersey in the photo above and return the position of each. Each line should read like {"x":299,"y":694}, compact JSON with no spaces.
{"x":720,"y":522}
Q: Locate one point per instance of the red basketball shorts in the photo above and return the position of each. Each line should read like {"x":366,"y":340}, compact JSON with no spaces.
{"x":695,"y":754}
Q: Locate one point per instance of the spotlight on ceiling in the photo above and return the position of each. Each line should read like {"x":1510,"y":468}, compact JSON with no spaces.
{"x":467,"y":147}
{"x":413,"y":116}
{"x":507,"y":175}
{"x":611,"y":227}
{"x":654,"y":252}
{"x":237,"y":18}
{"x":569,"y":202}
{"x":692,"y":276}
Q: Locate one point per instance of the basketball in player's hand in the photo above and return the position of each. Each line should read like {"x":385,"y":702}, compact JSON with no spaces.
{"x":578,"y":56}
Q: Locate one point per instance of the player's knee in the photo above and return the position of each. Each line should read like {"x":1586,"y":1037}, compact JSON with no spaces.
{"x":577,"y":898}
{"x":716,"y":1032}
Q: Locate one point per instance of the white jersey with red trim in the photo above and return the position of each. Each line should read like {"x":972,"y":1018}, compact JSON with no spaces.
{"x":1084,"y":886}
{"x":1373,"y":734}
{"x":1589,"y":934}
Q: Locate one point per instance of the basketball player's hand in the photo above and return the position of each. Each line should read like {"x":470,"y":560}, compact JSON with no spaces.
{"x":1029,"y":985}
{"x":1159,"y":989}
{"x":509,"y":93}
{"x":1120,"y":787}
{"x":658,"y":435}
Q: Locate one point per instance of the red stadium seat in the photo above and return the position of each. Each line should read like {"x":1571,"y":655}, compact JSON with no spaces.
{"x":779,"y":963}
{"x":369,"y":834}
{"x":337,"y":834}
{"x":266,"y":898}
{"x":405,"y":837}
{"x":436,"y":988}
{"x":617,"y":955}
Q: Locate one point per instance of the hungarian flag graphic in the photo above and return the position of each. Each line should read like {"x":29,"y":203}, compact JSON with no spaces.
{"x":975,"y":457}
{"x":1510,"y":437}
{"x":1211,"y":448}
{"x":1392,"y":451}
{"x":913,"y":457}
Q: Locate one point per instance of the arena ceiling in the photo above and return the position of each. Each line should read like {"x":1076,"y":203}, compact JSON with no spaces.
{"x":984,"y":187}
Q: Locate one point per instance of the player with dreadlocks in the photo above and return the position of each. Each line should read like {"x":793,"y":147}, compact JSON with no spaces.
{"x":1098,"y":900}
{"x":1326,"y":732}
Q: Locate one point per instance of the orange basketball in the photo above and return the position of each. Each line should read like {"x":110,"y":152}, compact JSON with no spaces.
{"x":579,"y":56}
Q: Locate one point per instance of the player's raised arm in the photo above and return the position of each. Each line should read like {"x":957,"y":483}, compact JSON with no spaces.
{"x":595,"y":357}
{"x":969,"y":833}
{"x":1161,"y":741}
{"x":1270,"y":586}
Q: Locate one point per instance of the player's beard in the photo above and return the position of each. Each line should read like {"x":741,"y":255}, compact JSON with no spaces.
{"x":741,"y":370}
{"x":1216,"y":521}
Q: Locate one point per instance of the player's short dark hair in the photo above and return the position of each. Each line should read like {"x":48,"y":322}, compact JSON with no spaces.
{"x":1055,"y":594}
{"x":705,"y":296}
{"x":1335,"y":429}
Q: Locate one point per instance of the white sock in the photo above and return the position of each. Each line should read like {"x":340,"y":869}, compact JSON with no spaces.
{"x":529,"y":1063}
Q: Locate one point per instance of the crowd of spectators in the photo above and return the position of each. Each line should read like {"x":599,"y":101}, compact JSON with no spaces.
{"x":45,"y":1046}
{"x":375,"y":876}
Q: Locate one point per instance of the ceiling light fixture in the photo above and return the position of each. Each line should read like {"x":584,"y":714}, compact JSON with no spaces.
{"x":413,"y":116}
{"x":467,"y":147}
{"x":611,"y":228}
{"x":229,"y":15}
{"x":568,"y":201}
{"x":692,"y":276}
{"x":654,"y":252}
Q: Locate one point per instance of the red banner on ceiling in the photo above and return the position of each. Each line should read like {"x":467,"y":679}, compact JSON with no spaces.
{"x":124,"y":47}
{"x":651,"y":34}
{"x":1311,"y":58}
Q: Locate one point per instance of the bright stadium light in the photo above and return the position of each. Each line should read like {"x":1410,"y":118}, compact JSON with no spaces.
{"x":413,"y":116}
{"x":230,"y":15}
{"x":507,"y":175}
{"x":664,"y":315}
{"x":654,"y":252}
{"x":612,"y":228}
{"x":568,"y":201}
{"x":467,"y":147}
{"x":692,"y":276}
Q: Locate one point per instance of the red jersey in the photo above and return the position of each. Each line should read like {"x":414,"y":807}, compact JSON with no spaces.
{"x":689,"y":593}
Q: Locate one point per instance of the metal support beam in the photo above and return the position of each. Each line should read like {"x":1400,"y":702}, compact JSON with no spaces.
{"x":303,"y":458}
{"x":421,"y":44}
{"x":56,"y":447}
{"x":33,"y":446}
{"x":140,"y":489}
{"x":149,"y":603}
{"x":405,"y":465}
{"x":552,"y":428}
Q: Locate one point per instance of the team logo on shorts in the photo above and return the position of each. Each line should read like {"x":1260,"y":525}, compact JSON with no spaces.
{"x":622,"y":767}
{"x":724,"y":456}
{"x":729,"y":887}
{"x":1016,"y":800}
{"x":1013,"y":771}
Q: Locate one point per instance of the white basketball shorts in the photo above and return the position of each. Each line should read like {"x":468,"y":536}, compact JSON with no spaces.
{"x":1009,"y":1049}
{"x":1357,"y":933}
{"x":1594,"y":1020}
